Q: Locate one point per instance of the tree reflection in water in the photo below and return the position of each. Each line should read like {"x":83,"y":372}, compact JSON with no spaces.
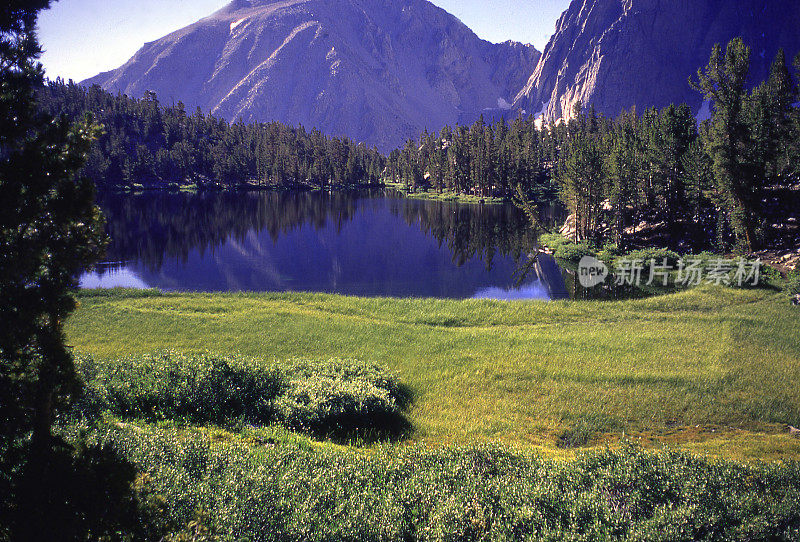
{"x":358,"y":243}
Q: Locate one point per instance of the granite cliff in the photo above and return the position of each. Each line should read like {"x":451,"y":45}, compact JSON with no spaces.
{"x":614,"y":54}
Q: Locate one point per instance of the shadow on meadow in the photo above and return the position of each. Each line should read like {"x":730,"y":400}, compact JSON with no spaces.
{"x":85,"y":491}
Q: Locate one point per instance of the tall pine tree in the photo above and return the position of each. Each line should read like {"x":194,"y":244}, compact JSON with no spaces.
{"x":50,"y":229}
{"x":723,"y":82}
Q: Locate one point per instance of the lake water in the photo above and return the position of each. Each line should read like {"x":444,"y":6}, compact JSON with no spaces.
{"x":365,"y":244}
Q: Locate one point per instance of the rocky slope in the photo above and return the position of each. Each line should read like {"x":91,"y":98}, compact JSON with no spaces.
{"x":614,"y":54}
{"x":378,"y":71}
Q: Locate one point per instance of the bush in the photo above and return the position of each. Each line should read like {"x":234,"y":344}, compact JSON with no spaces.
{"x":337,"y":398}
{"x":200,"y":388}
{"x":772,"y":277}
{"x":609,"y":253}
{"x":283,"y":492}
{"x":553,"y":240}
{"x":572,"y":252}
{"x":705,"y":258}
{"x":563,"y":248}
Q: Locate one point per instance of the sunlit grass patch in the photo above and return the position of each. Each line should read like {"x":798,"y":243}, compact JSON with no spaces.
{"x":515,"y":372}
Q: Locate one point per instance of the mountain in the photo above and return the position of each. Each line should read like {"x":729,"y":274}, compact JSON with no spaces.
{"x":614,"y":54}
{"x":378,"y":71}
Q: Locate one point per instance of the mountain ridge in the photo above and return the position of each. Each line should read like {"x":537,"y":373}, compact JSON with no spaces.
{"x":614,"y":54}
{"x":380,"y":71}
{"x":374,"y":70}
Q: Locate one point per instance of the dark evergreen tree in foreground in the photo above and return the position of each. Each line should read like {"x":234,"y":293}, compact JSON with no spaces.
{"x":50,"y":229}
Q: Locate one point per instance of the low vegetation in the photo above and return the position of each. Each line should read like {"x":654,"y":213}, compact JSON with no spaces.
{"x":431,"y":194}
{"x":565,"y":249}
{"x":204,"y":445}
{"x":224,"y":486}
{"x":663,"y":260}
{"x":793,"y":285}
{"x":335,"y":398}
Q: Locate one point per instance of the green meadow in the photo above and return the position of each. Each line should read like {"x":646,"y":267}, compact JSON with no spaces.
{"x":711,"y":370}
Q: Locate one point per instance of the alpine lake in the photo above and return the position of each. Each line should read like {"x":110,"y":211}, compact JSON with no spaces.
{"x":374,"y":243}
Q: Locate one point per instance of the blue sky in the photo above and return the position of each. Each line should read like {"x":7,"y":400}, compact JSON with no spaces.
{"x":84,"y":37}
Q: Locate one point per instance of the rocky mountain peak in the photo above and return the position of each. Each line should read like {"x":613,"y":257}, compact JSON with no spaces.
{"x":614,"y":54}
{"x":378,"y":71}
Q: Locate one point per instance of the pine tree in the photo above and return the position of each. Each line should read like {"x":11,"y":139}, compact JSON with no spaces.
{"x":50,"y":230}
{"x":674,"y":131}
{"x":769,"y":113}
{"x":581,"y":173}
{"x":722,"y":82}
{"x":622,"y":167}
{"x":793,"y":152}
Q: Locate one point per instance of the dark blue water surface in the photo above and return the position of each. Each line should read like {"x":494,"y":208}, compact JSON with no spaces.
{"x":365,"y":244}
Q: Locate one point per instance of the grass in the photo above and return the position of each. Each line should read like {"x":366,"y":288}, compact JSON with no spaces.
{"x":713,"y":370}
{"x":433,"y":195}
{"x":490,"y":385}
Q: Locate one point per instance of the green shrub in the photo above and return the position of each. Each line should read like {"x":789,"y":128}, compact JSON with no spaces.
{"x":705,"y":258}
{"x":282,"y":492}
{"x":553,"y":240}
{"x":563,"y":248}
{"x":170,"y":385}
{"x":336,"y":398}
{"x":609,"y":253}
{"x":572,"y":252}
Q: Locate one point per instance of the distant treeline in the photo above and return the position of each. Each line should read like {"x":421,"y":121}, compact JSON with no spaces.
{"x":151,"y":145}
{"x":482,"y":159}
{"x":722,"y":182}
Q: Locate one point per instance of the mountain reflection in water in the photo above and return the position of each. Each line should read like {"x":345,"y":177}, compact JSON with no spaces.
{"x":365,"y":244}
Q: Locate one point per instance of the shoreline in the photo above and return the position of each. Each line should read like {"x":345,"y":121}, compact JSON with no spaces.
{"x":432,"y":195}
{"x":399,"y":188}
